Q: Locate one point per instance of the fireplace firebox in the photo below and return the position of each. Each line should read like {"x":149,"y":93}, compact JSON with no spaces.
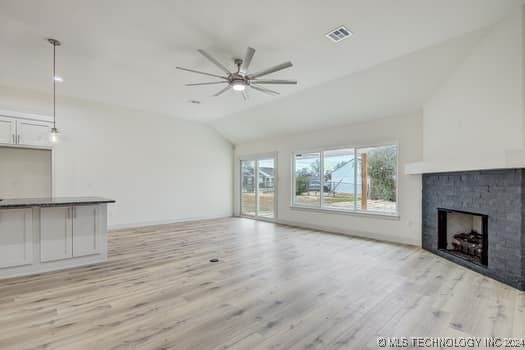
{"x":463,"y":234}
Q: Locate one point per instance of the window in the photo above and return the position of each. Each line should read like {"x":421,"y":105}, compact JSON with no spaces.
{"x":353,"y":179}
{"x":307,"y":179}
{"x":339,"y":178}
{"x":377,"y":167}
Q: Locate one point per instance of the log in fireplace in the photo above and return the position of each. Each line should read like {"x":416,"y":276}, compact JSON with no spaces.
{"x":464,"y":235}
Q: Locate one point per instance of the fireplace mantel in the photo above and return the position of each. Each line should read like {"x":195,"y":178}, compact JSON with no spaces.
{"x":510,"y":159}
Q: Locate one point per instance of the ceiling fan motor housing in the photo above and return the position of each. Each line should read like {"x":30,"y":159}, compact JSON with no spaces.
{"x":238,"y":81}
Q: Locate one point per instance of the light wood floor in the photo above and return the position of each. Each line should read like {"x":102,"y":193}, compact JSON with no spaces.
{"x":275,"y":287}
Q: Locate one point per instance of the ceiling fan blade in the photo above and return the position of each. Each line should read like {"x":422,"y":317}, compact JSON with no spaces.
{"x":271,"y":70}
{"x":210,"y":83}
{"x":275,"y":81}
{"x":204,"y":73}
{"x":214,"y":61}
{"x":266,"y":91}
{"x":247,"y":60}
{"x":223,"y":90}
{"x":245,"y":95}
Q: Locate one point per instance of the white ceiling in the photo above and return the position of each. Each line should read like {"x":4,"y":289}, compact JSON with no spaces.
{"x":124,"y":52}
{"x":395,"y":87}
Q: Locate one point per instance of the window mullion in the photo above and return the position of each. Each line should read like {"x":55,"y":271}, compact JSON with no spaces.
{"x":294,"y":179}
{"x":256,"y":188}
{"x":321,"y":179}
{"x":355,"y":179}
{"x":240,"y":186}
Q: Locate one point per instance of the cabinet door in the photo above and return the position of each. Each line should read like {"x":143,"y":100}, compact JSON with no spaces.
{"x":55,"y":233}
{"x":86,"y":233}
{"x":16,"y":237}
{"x":33,"y":133}
{"x":7,"y":130}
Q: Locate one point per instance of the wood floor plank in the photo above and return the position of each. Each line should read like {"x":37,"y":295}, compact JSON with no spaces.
{"x":274,"y":287}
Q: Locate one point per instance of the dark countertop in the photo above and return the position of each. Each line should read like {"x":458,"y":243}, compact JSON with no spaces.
{"x":51,"y":202}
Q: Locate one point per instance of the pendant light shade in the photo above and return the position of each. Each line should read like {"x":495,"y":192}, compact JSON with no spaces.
{"x":54,"y":136}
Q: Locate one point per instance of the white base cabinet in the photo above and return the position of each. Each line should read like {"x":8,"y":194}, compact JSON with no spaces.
{"x":86,"y":237}
{"x":55,"y":234}
{"x":16,"y":238}
{"x":39,"y":239}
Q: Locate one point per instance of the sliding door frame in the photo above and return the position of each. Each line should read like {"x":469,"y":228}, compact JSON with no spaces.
{"x":256,"y":158}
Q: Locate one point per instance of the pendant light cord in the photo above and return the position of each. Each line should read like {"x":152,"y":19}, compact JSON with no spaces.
{"x":54,"y":87}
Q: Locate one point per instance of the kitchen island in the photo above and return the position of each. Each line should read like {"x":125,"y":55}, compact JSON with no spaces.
{"x":47,"y":234}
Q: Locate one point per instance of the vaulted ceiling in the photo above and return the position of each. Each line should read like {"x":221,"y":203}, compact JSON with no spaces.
{"x":124,"y":52}
{"x":391,"y":88}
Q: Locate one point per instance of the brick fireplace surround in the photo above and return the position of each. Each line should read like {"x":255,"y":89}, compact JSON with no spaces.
{"x":500,"y":194}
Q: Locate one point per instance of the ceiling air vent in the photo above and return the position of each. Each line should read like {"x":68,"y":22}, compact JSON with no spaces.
{"x":339,"y":34}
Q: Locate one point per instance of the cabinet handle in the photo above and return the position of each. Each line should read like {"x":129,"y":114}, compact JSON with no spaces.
{"x":14,"y":139}
{"x":74,"y":212}
{"x":18,"y":139}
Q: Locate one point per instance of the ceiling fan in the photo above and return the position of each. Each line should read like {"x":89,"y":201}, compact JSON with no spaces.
{"x":240,"y":79}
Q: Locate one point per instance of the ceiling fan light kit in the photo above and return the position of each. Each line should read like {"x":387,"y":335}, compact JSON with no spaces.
{"x":240,"y":79}
{"x":238,"y":85}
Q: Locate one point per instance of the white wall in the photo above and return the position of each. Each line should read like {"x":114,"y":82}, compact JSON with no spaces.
{"x":158,"y":169}
{"x":476,"y":118}
{"x":24,"y":173}
{"x":405,"y":130}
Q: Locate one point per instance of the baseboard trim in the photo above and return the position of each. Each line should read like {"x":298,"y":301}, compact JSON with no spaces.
{"x":350,"y":233}
{"x":322,"y":228}
{"x":161,"y":222}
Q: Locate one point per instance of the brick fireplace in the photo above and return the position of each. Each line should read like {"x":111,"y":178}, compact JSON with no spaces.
{"x":477,"y":219}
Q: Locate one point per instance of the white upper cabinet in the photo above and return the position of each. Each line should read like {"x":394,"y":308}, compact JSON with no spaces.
{"x":24,"y":129}
{"x":7,"y":130}
{"x":33,"y":133}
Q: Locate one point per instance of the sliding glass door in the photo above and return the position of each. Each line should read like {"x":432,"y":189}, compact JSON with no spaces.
{"x":266,"y":187}
{"x":248,"y":188}
{"x":258,"y":187}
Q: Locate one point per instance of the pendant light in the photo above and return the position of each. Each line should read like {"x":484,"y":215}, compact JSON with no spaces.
{"x":54,"y":135}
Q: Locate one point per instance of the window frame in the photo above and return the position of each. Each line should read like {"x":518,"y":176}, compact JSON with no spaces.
{"x":354,"y":211}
